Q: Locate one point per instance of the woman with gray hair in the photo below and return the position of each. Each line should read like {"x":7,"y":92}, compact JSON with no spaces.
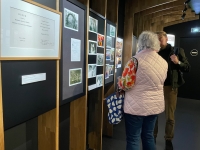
{"x":145,"y":100}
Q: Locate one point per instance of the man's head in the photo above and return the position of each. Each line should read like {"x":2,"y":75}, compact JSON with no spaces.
{"x":162,"y":36}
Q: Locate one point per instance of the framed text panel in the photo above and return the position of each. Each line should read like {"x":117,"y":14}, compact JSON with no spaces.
{"x":73,"y":74}
{"x":22,"y":102}
{"x":29,"y":31}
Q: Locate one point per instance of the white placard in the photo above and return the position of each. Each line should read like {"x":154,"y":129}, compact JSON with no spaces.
{"x":28,"y":30}
{"x":171,"y":39}
{"x":26,"y":79}
{"x":91,"y":87}
{"x":75,"y":50}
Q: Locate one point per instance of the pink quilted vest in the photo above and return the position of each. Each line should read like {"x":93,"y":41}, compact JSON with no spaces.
{"x":146,"y":97}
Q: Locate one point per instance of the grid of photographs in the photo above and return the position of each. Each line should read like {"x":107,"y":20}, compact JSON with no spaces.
{"x":96,"y":47}
{"x":110,"y":53}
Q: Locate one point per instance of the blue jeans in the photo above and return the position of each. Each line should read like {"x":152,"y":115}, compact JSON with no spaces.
{"x":140,"y":126}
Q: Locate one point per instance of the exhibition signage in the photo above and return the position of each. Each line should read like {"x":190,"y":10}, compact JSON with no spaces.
{"x":29,"y":31}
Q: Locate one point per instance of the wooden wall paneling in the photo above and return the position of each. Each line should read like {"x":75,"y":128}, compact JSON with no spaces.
{"x":181,"y":21}
{"x":48,"y":123}
{"x":99,"y":6}
{"x":95,"y":111}
{"x":2,"y":146}
{"x":107,"y":127}
{"x":163,"y":7}
{"x":78,"y":108}
{"x":78,"y":124}
{"x":112,"y":15}
{"x":128,"y":29}
{"x":143,"y":5}
{"x":112,"y":10}
{"x":47,"y":131}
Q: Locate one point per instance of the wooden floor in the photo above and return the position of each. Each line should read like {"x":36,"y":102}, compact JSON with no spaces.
{"x":187,"y":129}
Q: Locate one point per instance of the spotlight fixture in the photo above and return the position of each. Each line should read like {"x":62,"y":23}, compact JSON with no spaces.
{"x":184,"y":10}
{"x":186,"y":2}
{"x":183,"y":16}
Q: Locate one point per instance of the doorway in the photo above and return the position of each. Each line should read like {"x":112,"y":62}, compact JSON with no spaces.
{"x":192,"y":79}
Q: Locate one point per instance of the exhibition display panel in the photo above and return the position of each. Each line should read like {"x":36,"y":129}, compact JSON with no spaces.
{"x":29,"y":31}
{"x":28,"y":90}
{"x":96,"y":44}
{"x":110,"y":52}
{"x":72,"y":64}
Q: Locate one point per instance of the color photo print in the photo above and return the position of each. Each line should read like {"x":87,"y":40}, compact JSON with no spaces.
{"x":100,"y":41}
{"x":75,"y":76}
{"x":71,"y":20}
{"x":93,"y":25}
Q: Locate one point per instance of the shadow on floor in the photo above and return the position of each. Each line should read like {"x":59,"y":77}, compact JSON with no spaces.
{"x":187,"y":129}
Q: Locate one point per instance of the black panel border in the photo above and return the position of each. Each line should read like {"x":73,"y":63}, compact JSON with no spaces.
{"x":96,"y":13}
{"x":65,"y":101}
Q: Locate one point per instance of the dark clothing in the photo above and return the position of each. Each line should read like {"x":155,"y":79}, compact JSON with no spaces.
{"x":165,"y":53}
{"x":174,"y":74}
{"x":173,"y":81}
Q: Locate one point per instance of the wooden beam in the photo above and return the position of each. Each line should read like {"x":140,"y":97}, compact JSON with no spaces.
{"x":112,"y":10}
{"x":47,"y":130}
{"x":78,"y":124}
{"x":2,"y":146}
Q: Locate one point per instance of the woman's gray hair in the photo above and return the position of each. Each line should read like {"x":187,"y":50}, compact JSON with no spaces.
{"x":148,"y":40}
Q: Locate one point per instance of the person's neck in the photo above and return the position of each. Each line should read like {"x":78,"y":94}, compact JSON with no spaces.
{"x":163,"y":46}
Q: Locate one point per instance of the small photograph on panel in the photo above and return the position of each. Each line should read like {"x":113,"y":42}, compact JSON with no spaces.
{"x":112,"y":31}
{"x":107,"y":71}
{"x":92,"y":47}
{"x":100,"y":41}
{"x":75,"y":76}
{"x":119,"y":44}
{"x":71,"y":20}
{"x":92,"y":70}
{"x":99,"y":80}
{"x":93,"y":25}
{"x":118,"y":62}
{"x":107,"y":54}
{"x":118,"y":52}
{"x":109,"y":41}
{"x":111,"y":69}
{"x":112,"y":55}
{"x":100,"y":59}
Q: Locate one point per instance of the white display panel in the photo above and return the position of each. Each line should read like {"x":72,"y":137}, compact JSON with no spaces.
{"x":28,"y":30}
{"x":171,"y":39}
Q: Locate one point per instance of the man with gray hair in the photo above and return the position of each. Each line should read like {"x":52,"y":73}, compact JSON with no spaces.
{"x":177,"y":63}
